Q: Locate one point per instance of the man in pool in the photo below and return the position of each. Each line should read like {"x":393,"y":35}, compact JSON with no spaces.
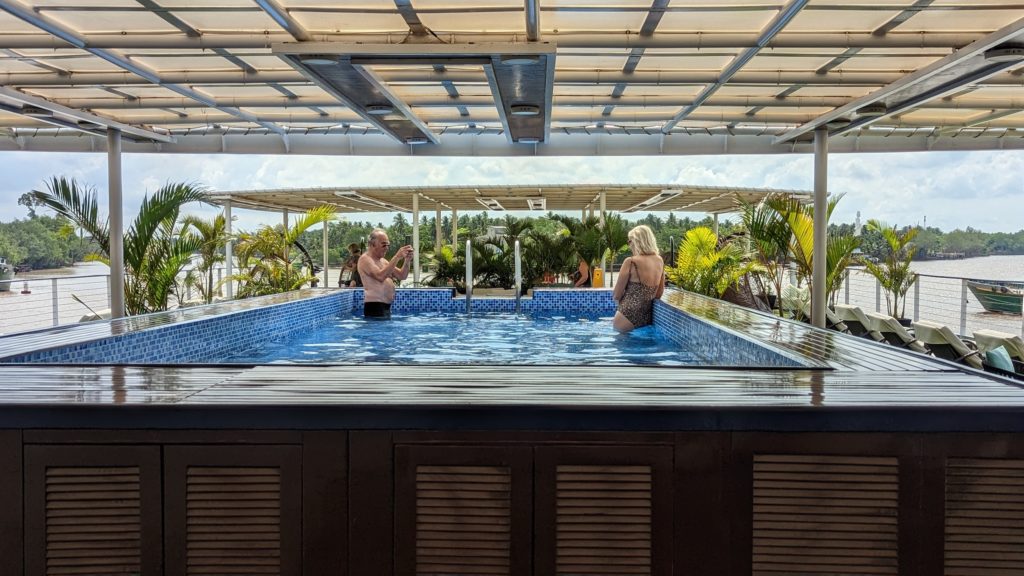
{"x":378,"y":274}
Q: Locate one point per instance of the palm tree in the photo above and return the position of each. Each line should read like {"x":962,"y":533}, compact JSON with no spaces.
{"x":894,"y":272}
{"x":268,"y":261}
{"x":154,"y":254}
{"x":770,"y":237}
{"x":213,"y":235}
{"x":705,"y":268}
{"x":800,"y":220}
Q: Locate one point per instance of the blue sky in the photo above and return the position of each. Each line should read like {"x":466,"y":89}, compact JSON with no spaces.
{"x":984,"y":190}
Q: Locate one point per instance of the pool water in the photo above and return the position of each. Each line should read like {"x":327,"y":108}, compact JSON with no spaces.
{"x":488,"y":338}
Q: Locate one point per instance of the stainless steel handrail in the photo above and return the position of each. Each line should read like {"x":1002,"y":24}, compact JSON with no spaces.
{"x":518,"y":285}
{"x":469,"y":275}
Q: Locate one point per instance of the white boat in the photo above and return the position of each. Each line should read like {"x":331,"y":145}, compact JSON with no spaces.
{"x":6,"y":275}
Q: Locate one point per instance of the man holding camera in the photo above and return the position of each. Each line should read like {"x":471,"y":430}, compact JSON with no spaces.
{"x":378,"y":274}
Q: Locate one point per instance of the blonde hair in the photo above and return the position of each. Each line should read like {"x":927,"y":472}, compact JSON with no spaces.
{"x":643,"y":240}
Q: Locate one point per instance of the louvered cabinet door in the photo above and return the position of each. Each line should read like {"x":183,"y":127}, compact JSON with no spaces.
{"x":462,"y":510}
{"x":232,"y":510}
{"x":603,"y":510}
{"x":825,"y":515}
{"x":984,"y":517}
{"x":92,"y":511}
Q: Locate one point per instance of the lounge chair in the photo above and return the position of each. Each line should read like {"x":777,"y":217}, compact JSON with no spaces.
{"x":991,"y":339}
{"x":858,"y":323}
{"x":944,"y":344}
{"x":894,"y":332}
{"x":832,"y":322}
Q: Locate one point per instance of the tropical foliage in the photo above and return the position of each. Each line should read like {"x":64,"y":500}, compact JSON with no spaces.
{"x":154,"y":251}
{"x":269,"y":260}
{"x":893,"y":271}
{"x":799,"y":218}
{"x":704,"y":267}
{"x":213,"y":236}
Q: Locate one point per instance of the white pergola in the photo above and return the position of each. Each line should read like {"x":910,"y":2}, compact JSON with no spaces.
{"x":511,"y":78}
{"x":588,"y":199}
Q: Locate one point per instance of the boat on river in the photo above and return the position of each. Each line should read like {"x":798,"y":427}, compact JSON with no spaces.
{"x":6,"y":275}
{"x":996,"y":296}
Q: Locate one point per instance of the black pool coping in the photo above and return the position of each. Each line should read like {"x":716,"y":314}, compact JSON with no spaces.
{"x":868,"y":387}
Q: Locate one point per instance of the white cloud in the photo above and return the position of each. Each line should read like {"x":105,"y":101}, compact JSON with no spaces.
{"x":980,"y":189}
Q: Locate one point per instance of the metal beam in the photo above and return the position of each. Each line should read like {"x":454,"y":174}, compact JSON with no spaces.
{"x":654,"y":78}
{"x":79,"y":116}
{"x":912,"y":82}
{"x":788,"y":12}
{"x":796,"y":102}
{"x":609,"y":40}
{"x":284,"y":19}
{"x":532,"y":20}
{"x":651,"y":21}
{"x":19,"y":10}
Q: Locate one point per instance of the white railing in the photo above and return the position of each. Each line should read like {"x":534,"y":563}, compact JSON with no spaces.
{"x":40,"y":302}
{"x":943,"y":299}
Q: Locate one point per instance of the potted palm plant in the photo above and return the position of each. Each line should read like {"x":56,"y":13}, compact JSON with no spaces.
{"x":893,"y":272}
{"x":705,"y":268}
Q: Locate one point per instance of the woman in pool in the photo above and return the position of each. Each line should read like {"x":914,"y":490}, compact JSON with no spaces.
{"x":641,"y":281}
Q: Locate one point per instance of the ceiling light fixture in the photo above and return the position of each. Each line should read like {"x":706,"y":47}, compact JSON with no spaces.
{"x":528,"y":140}
{"x":520,"y":59}
{"x":524,"y":109}
{"x":36,"y":111}
{"x":380,"y":109}
{"x":416,"y":140}
{"x":873,"y":110}
{"x":319,"y":60}
{"x":1005,"y":53}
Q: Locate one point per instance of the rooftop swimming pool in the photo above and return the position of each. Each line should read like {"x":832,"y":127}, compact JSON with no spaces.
{"x":485,"y":338}
{"x":430,"y":327}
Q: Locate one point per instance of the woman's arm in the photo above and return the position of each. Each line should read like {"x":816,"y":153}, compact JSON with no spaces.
{"x":584,"y":272}
{"x":622,"y":280}
{"x":661,"y":280}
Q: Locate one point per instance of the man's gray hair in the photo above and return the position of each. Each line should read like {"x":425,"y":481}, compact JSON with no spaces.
{"x":375,"y":235}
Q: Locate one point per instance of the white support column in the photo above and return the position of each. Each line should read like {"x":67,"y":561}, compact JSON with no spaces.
{"x":714,"y":224}
{"x":284,"y":231}
{"x":438,"y":239}
{"x":455,"y":229}
{"x":325,"y":284}
{"x":819,"y":292}
{"x":229,"y":248}
{"x":116,"y":223}
{"x":583,"y":216}
{"x":415,"y":239}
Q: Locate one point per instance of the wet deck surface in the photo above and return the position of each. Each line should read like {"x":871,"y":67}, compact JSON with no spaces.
{"x":870,"y":386}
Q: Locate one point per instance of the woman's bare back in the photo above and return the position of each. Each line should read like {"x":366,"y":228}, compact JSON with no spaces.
{"x":649,"y":269}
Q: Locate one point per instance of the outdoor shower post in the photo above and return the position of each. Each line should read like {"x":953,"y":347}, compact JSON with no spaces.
{"x":917,"y":297}
{"x":819,"y":291}
{"x":229,"y":251}
{"x":116,"y":209}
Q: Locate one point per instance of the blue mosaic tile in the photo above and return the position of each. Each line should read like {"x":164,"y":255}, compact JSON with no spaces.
{"x":720,"y":346}
{"x":200,"y":340}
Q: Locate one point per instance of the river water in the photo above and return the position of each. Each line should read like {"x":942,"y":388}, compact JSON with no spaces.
{"x":940,"y":294}
{"x":942,"y":297}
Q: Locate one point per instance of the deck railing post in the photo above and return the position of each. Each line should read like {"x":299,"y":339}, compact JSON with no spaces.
{"x":55,"y":300}
{"x":917,"y":297}
{"x":963,"y":306}
{"x":878,"y":296}
{"x":846,"y":289}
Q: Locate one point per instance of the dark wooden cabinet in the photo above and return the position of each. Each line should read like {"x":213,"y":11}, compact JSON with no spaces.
{"x":92,"y":510}
{"x":233,"y":510}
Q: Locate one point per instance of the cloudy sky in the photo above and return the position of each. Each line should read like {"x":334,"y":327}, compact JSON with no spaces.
{"x":984,"y":190}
